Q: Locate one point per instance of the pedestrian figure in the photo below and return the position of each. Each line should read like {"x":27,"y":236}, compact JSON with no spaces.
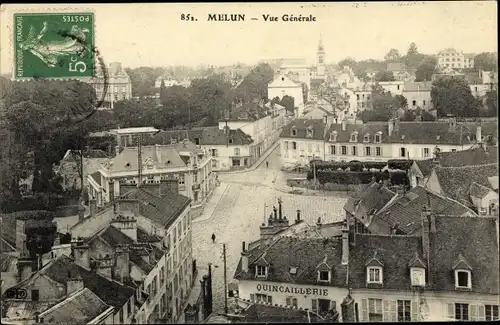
{"x":213,"y":238}
{"x":267,"y":164}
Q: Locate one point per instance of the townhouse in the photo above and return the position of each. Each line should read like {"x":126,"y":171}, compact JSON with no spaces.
{"x":418,"y":95}
{"x":432,"y":275}
{"x":375,"y":141}
{"x":452,"y":58}
{"x":184,"y":161}
{"x":144,"y":239}
{"x":229,"y":149}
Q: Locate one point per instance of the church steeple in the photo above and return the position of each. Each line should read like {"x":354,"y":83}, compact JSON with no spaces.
{"x":320,"y":72}
{"x":320,"y":45}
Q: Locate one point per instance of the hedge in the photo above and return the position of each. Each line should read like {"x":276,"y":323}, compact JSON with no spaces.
{"x":402,"y":164}
{"x":363,"y":177}
{"x":353,"y":165}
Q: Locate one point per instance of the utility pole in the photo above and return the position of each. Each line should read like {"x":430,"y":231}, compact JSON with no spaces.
{"x":225,"y":280}
{"x":139,"y":161}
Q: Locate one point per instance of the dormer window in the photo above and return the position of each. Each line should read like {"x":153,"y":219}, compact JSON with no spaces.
{"x":309,"y":133}
{"x":260,"y":271}
{"x":294,"y":132}
{"x":354,"y":137}
{"x":378,"y":137}
{"x":366,"y":138}
{"x":374,"y":274}
{"x":418,"y":276}
{"x":293,"y":270}
{"x":333,"y":136}
{"x":323,"y":276}
{"x":462,"y":273}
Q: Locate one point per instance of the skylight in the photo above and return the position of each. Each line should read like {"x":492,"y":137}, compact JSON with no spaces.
{"x":293,"y":270}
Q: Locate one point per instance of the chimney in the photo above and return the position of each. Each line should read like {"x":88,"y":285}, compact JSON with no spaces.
{"x":74,"y":283}
{"x":394,"y":228}
{"x":343,"y":124}
{"x":345,"y":246}
{"x":275,"y":211}
{"x":168,"y":186}
{"x":280,"y":210}
{"x":122,"y":266}
{"x":104,"y":266}
{"x":396,"y":124}
{"x":117,"y":151}
{"x":325,"y":119}
{"x":81,"y":210}
{"x":390,"y":125}
{"x":93,"y":207}
{"x":244,"y":258}
{"x":426,"y":212}
{"x":127,"y":225}
{"x":158,"y":153}
{"x":81,"y":254}
{"x":479,"y":132}
{"x":297,"y":220}
{"x":318,"y":223}
{"x":24,"y":267}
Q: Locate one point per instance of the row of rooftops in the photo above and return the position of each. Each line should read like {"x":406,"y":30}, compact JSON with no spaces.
{"x":298,"y":260}
{"x":393,"y":131}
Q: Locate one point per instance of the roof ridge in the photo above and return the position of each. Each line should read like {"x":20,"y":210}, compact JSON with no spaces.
{"x":468,"y":166}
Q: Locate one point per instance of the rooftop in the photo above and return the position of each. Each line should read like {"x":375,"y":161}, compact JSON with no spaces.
{"x":145,"y":129}
{"x":469,"y":157}
{"x":206,"y":136}
{"x":418,"y":86}
{"x":302,"y":125}
{"x":282,"y":81}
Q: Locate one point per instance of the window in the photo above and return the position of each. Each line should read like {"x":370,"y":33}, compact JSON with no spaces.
{"x":286,"y":145}
{"x":236,"y":151}
{"x":414,"y":103}
{"x":354,"y":150}
{"x":309,"y":147}
{"x":309,"y":133}
{"x":354,"y":137}
{"x":294,"y":145}
{"x":344,"y":150}
{"x":333,"y":136}
{"x":214,"y":152}
{"x":324,"y":276}
{"x":366,"y":138}
{"x":424,"y":102}
{"x":462,"y":279}
{"x":398,"y":87}
{"x":368,"y":151}
{"x":377,"y":138}
{"x":294,"y":132}
{"x":375,"y":310}
{"x":453,"y":150}
{"x":317,"y":147}
{"x":417,"y":276}
{"x":333,"y":150}
{"x":260,"y":271}
{"x":374,"y":275}
{"x":461,"y":311}
{"x":35,"y":295}
{"x":426,"y":152}
{"x":263,"y":298}
{"x":291,"y":301}
{"x":378,"y":151}
{"x":402,"y":152}
{"x":491,"y":312}
{"x":404,"y":311}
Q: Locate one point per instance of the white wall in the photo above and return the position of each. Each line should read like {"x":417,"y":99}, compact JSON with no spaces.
{"x":422,"y":99}
{"x":308,"y":148}
{"x":295,"y":92}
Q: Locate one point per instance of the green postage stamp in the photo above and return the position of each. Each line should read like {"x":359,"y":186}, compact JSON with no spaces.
{"x":54,"y":45}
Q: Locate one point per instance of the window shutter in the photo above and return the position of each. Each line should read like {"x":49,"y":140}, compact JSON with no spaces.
{"x":451,"y":311}
{"x":252,"y":297}
{"x":473,"y":312}
{"x":314,"y":304}
{"x":386,"y":312}
{"x":364,"y":310}
{"x":288,"y":303}
{"x":415,"y":311}
{"x":334,"y":305}
{"x":394,"y":311}
{"x":481,"y":312}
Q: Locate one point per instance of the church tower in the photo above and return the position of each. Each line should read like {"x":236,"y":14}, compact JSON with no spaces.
{"x":321,"y":59}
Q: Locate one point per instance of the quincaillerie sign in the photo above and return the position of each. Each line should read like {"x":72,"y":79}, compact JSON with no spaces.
{"x":288,"y":289}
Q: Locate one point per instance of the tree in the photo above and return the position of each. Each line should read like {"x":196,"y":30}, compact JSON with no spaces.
{"x":384,"y":75}
{"x":135,"y":112}
{"x":254,"y":85}
{"x":210,"y":98}
{"x":486,"y":61}
{"x":288,"y":102}
{"x":392,"y":55}
{"x":426,"y":69}
{"x":347,"y":62}
{"x":452,"y":96}
{"x":175,"y":109}
{"x":491,"y":103}
{"x":400,"y":102}
{"x":409,"y":116}
{"x":412,"y":50}
{"x":143,"y":80}
{"x":426,"y":116}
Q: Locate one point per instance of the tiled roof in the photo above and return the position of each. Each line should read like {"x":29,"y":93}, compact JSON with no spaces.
{"x":406,"y":209}
{"x":301,"y":125}
{"x":373,"y":197}
{"x":207,"y":136}
{"x":425,"y":166}
{"x":435,"y":133}
{"x":473,"y":78}
{"x":6,"y":247}
{"x":79,"y":308}
{"x":161,"y":156}
{"x":22,"y":310}
{"x":478,"y":190}
{"x":162,"y":210}
{"x":96,"y":177}
{"x":8,"y":231}
{"x":470,"y":157}
{"x":8,"y":263}
{"x":283,"y":82}
{"x":249,"y":112}
{"x":418,"y":86}
{"x":144,"y":237}
{"x":394,"y":252}
{"x":111,"y":292}
{"x":480,"y":251}
{"x":89,"y":154}
{"x":362,"y":129}
{"x":304,"y":254}
{"x":456,"y":181}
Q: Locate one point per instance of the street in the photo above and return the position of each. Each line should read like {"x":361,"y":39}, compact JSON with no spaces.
{"x":240,"y":212}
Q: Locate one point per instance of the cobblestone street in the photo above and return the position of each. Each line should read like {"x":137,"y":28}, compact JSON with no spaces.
{"x":240,"y":212}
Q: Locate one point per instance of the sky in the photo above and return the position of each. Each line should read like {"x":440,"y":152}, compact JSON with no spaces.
{"x":154,"y":34}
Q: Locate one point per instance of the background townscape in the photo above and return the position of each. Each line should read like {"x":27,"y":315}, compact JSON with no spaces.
{"x":282,"y":191}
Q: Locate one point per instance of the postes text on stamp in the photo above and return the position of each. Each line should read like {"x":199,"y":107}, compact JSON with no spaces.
{"x":54,"y":45}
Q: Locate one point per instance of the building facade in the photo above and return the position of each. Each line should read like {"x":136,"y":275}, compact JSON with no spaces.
{"x":284,"y":86}
{"x":452,"y":58}
{"x":119,"y":85}
{"x":418,"y":95}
